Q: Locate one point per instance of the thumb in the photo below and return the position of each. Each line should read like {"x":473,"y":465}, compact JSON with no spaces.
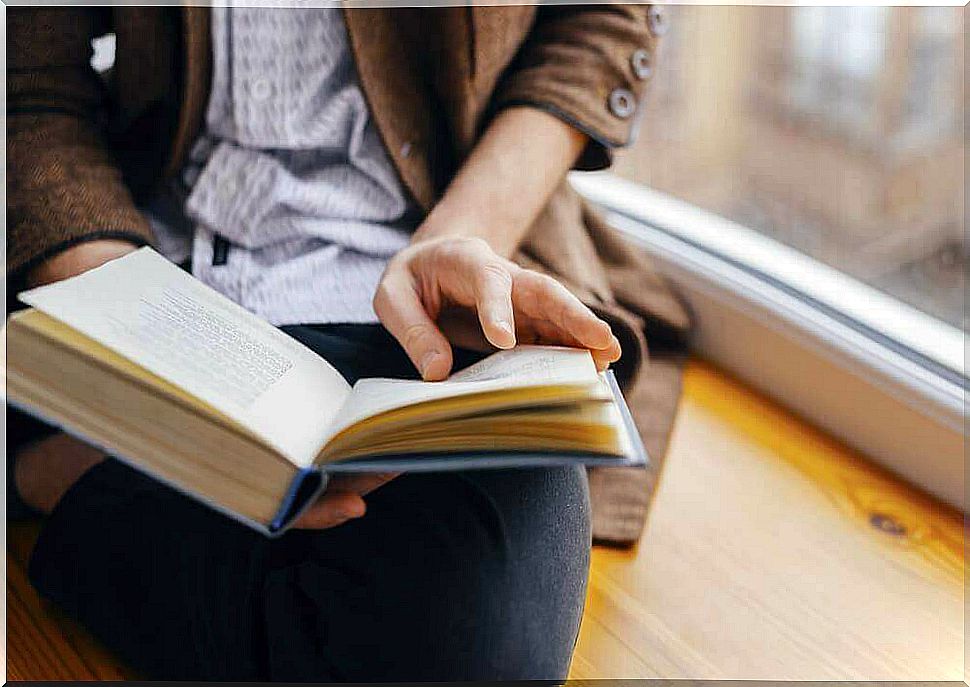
{"x":400,"y":310}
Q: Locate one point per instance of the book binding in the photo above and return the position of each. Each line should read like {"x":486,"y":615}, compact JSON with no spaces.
{"x":306,"y":486}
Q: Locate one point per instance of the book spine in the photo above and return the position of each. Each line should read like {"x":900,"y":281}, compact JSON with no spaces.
{"x":631,"y":427}
{"x":306,"y":486}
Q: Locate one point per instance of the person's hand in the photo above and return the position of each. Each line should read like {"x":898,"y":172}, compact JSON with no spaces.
{"x":343,"y":500}
{"x":458,"y":290}
{"x":77,"y":259}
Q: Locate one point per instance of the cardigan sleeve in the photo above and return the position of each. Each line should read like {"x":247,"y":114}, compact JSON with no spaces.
{"x":63,"y":186}
{"x":588,"y":65}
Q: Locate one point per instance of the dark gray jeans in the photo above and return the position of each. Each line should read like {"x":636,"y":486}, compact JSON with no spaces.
{"x":459,"y":576}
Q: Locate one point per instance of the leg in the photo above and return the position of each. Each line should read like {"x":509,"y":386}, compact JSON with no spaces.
{"x":448,"y":577}
{"x":168,"y":584}
{"x":470,"y":576}
{"x":451,"y":576}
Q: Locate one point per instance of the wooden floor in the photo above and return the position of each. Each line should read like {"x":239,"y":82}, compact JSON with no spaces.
{"x":772,"y":552}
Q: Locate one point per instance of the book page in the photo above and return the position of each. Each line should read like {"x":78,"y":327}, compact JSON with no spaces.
{"x":158,"y":316}
{"x":520,"y":367}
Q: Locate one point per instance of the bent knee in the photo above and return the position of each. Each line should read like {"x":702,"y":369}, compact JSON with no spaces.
{"x":542,"y":507}
{"x":493,"y":563}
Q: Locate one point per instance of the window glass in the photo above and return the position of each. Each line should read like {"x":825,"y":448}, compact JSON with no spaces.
{"x":835,"y":130}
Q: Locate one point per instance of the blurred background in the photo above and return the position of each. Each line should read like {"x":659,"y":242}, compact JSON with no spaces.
{"x":835,"y":130}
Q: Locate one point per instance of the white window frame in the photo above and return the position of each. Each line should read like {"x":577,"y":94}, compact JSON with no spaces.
{"x":887,"y":379}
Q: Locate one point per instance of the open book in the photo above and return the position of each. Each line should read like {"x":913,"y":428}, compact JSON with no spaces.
{"x":139,"y":358}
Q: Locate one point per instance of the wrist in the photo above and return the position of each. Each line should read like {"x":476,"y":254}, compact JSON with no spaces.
{"x":77,"y":259}
{"x":44,"y":471}
{"x":445,"y":223}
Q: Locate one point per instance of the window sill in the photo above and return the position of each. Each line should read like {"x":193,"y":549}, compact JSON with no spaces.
{"x":884,"y":377}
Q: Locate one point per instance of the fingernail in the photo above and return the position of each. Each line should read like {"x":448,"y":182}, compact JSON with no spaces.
{"x":506,"y":327}
{"x":608,"y":330}
{"x":500,"y":322}
{"x":427,"y":361}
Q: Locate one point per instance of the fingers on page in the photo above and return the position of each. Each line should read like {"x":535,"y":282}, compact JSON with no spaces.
{"x":493,"y":289}
{"x":545,"y":298}
{"x":399,"y":308}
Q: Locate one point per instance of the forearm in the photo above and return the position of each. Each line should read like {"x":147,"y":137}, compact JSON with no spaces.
{"x":506,"y":181}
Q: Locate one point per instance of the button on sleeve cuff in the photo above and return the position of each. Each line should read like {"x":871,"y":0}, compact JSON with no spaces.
{"x":588,"y":65}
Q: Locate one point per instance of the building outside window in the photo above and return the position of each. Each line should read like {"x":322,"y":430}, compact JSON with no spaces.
{"x":834,"y":130}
